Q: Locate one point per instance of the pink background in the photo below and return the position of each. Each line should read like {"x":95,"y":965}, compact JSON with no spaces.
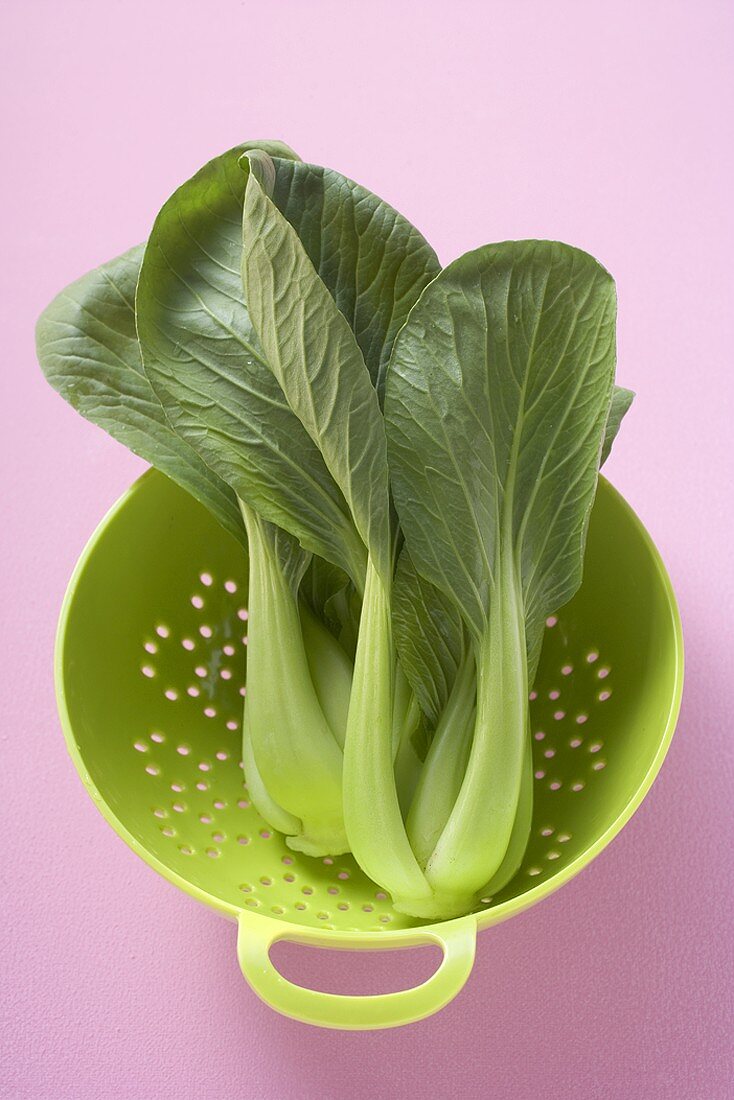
{"x":602,"y":124}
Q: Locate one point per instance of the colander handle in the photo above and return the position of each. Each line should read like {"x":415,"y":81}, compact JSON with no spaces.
{"x":257,"y":934}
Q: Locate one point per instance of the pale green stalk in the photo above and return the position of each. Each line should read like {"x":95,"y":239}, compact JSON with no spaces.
{"x":476,"y":837}
{"x":520,"y":829}
{"x":294,"y":748}
{"x":445,"y":764}
{"x":331,"y":672}
{"x":408,"y":764}
{"x":269,"y":810}
{"x":372,"y":815}
{"x":403,"y":707}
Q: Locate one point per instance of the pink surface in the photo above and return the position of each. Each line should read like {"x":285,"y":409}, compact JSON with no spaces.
{"x":601,"y":124}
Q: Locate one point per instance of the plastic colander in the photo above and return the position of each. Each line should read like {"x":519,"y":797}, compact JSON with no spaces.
{"x":150,"y":672}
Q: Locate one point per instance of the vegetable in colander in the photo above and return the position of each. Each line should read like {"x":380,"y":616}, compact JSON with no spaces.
{"x":415,"y":455}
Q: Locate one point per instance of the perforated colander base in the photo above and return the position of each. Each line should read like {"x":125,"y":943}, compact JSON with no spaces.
{"x":190,"y":765}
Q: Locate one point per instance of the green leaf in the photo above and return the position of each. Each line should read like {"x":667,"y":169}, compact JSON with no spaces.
{"x":497,"y":400}
{"x":203,"y":358}
{"x":292,"y":558}
{"x":314,"y":355}
{"x":372,"y":260}
{"x":497,"y":397}
{"x":88,"y":350}
{"x":328,"y":592}
{"x":429,"y":637}
{"x":272,"y":148}
{"x":619,"y":407}
{"x":428,"y":629}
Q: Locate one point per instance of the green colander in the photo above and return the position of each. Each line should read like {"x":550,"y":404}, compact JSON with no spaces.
{"x":150,"y":676}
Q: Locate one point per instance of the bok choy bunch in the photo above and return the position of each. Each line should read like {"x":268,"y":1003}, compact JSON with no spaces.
{"x":408,"y":455}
